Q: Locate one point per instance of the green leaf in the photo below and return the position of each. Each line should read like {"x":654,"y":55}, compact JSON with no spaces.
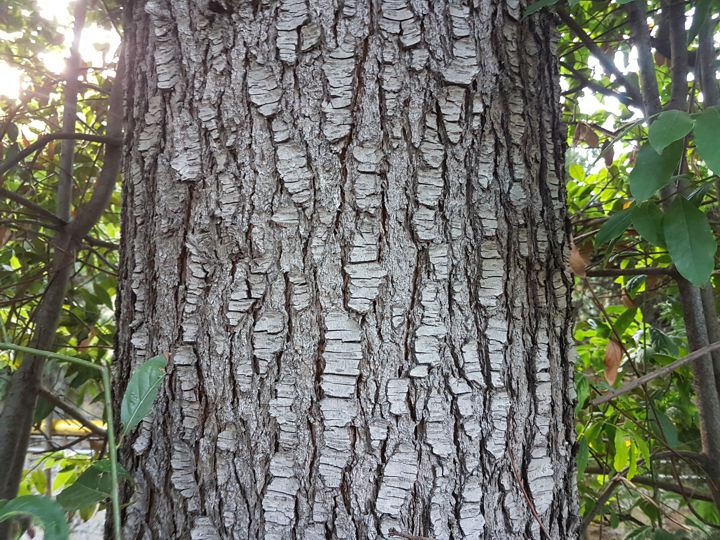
{"x":577,"y":172}
{"x":42,"y":409}
{"x":582,"y":456}
{"x":690,"y":241}
{"x":661,"y":342}
{"x":668,"y":127}
{"x":48,"y":512}
{"x":633,"y":465}
{"x":697,"y":195}
{"x":707,"y":137}
{"x":39,"y":480}
{"x":649,"y":509}
{"x":652,"y":170}
{"x":141,"y":392}
{"x":625,"y":320}
{"x":668,"y":429}
{"x":647,"y":220}
{"x":582,"y":389}
{"x":94,"y":485}
{"x":614,"y":226}
{"x":537,"y":6}
{"x":622,"y":450}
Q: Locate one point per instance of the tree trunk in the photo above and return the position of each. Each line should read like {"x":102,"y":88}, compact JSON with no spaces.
{"x":345,"y":223}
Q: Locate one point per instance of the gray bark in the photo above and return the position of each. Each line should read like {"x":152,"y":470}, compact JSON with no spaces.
{"x":345,"y":222}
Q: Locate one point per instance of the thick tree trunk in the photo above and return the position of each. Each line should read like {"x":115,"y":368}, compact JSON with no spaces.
{"x":345,"y":222}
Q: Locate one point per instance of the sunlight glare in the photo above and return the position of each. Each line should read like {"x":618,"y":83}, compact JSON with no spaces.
{"x":10,"y":79}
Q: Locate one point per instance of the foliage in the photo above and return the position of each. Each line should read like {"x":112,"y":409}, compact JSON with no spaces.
{"x":644,"y":206}
{"x":84,"y":489}
{"x":644,"y":203}
{"x":45,"y":510}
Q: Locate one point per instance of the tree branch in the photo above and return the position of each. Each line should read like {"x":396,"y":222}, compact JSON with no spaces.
{"x":63,"y":204}
{"x":625,"y":99}
{"x":617,"y":272}
{"x":641,"y":33}
{"x":45,"y":139}
{"x":640,"y":381}
{"x":36,"y":209}
{"x":598,"y":53}
{"x":71,"y":411}
{"x":16,"y":418}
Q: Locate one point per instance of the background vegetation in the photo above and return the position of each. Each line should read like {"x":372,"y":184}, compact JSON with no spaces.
{"x":640,"y":102}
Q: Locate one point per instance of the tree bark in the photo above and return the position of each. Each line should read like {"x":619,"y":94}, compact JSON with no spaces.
{"x":346,"y":224}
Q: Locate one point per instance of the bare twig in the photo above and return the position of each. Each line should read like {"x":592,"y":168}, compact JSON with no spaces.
{"x":616,"y":272}
{"x":63,"y":203}
{"x":34,"y":208}
{"x":45,"y":139}
{"x":72,"y":411}
{"x":521,"y":484}
{"x":598,"y":53}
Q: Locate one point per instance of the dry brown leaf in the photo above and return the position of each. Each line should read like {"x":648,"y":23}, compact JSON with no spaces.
{"x":85,"y":343}
{"x":608,"y":154}
{"x":662,"y":60}
{"x":5,"y":234}
{"x":613,"y":356}
{"x":651,"y":282}
{"x":97,"y":446}
{"x":586,"y":134}
{"x":577,"y":261}
{"x":627,"y":300}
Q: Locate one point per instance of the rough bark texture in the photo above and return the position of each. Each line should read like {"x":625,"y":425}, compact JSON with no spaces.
{"x":345,"y":222}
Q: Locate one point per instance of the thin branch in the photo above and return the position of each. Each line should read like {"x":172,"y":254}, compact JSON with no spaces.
{"x":35,"y":208}
{"x":617,"y":272}
{"x":63,"y":204}
{"x":646,"y":62}
{"x":71,"y":411}
{"x":640,"y":381}
{"x":45,"y":139}
{"x":599,"y":503}
{"x":675,"y":10}
{"x":521,"y":484}
{"x":598,"y":53}
{"x":586,"y":82}
{"x":88,"y":215}
{"x":669,"y":486}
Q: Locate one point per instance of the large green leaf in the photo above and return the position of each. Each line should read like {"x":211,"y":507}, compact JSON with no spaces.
{"x":45,"y":510}
{"x":583,"y":455}
{"x":667,"y":428}
{"x":94,"y":485}
{"x":614,"y":226}
{"x":670,"y":126}
{"x":707,"y":137}
{"x":647,"y":220}
{"x":625,"y":319}
{"x":622,"y":450}
{"x":141,"y":392}
{"x":690,"y":241}
{"x":652,"y":170}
